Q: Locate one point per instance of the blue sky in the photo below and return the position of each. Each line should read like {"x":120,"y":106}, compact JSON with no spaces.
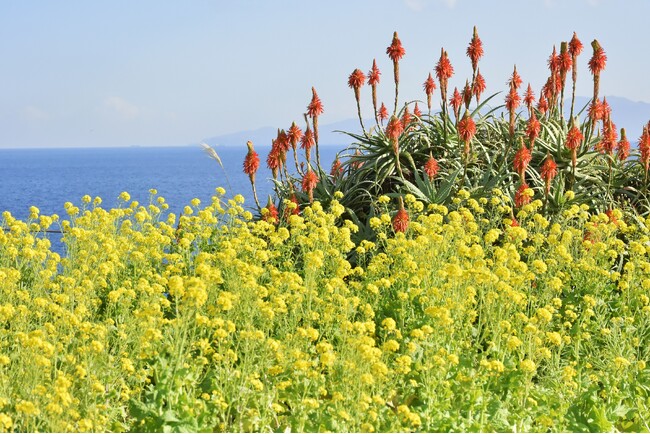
{"x":123,"y":72}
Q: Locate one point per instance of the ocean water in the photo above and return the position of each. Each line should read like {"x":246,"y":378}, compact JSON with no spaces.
{"x":47,"y":178}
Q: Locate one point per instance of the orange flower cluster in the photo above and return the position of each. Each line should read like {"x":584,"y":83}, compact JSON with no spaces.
{"x":431,"y":167}
{"x":400,"y":219}
{"x":548,"y":173}
{"x":522,"y":160}
{"x":429,"y":86}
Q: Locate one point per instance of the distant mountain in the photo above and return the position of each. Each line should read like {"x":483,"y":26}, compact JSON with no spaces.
{"x":631,"y":115}
{"x":328,"y":135}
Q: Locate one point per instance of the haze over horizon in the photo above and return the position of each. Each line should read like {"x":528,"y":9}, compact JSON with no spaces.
{"x":150,"y":73}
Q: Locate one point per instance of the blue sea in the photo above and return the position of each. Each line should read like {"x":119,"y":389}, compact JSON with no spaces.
{"x":47,"y":178}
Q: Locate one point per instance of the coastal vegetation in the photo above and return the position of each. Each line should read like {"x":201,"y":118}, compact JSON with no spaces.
{"x":478,"y":268}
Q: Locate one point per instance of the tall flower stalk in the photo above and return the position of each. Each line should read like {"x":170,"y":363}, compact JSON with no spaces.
{"x":467,"y":94}
{"x":623,"y":147}
{"x":548,"y":173}
{"x":382,"y":113}
{"x":533,"y":127}
{"x":551,"y":87}
{"x":429,"y":86}
{"x":455,"y":102}
{"x":575,"y":48}
{"x":522,"y":159}
{"x":315,"y":109}
{"x":282,"y":141}
{"x":373,"y":81}
{"x":356,"y":81}
{"x":444,"y":71}
{"x":475,"y":52}
{"x":529,"y":99}
{"x":573,"y":141}
{"x":309,"y":182}
{"x":478,"y":87}
{"x":396,"y":51}
{"x":466,"y":132}
{"x":251,"y":164}
{"x":565,"y":62}
{"x":596,"y":66}
{"x":644,"y":149}
{"x":394,"y":130}
{"x":274,"y":159}
{"x":294,"y":135}
{"x":307,"y":141}
{"x":512,"y":100}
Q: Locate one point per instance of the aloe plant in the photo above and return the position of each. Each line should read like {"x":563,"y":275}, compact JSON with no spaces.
{"x":482,"y":149}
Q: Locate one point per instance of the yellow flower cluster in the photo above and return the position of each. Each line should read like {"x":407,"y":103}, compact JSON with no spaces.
{"x":214,"y":321}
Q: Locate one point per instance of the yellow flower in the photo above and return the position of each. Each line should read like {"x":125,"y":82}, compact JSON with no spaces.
{"x":403,"y":364}
{"x":513,"y":342}
{"x":310,"y":403}
{"x":176,"y":286}
{"x":195,"y":292}
{"x":544,"y":315}
{"x":568,"y":373}
{"x":27,"y":408}
{"x":391,"y":345}
{"x":527,"y":366}
{"x":85,"y":425}
{"x":389,"y":324}
{"x":367,"y":379}
{"x":539,"y":266}
{"x":544,"y":353}
{"x":491,"y":236}
{"x":621,"y":362}
{"x":383,"y":199}
{"x":5,"y":422}
{"x":554,"y":338}
{"x":555,"y":284}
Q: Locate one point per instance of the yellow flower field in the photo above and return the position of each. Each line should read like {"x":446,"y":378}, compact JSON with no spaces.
{"x":211,"y":321}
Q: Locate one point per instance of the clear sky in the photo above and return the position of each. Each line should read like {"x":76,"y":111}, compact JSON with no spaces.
{"x":152,"y":72}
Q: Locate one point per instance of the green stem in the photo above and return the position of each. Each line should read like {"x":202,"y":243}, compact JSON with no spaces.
{"x":396,"y":76}
{"x":374,"y":103}
{"x":609,"y":181}
{"x":398,"y":166}
{"x":360,"y":118}
{"x":462,"y":180}
{"x":573,"y":175}
{"x":257,"y":202}
{"x":315,"y":126}
{"x":574,"y":75}
{"x":295,"y":160}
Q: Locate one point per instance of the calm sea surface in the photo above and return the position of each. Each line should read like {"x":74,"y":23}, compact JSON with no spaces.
{"x":47,"y":178}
